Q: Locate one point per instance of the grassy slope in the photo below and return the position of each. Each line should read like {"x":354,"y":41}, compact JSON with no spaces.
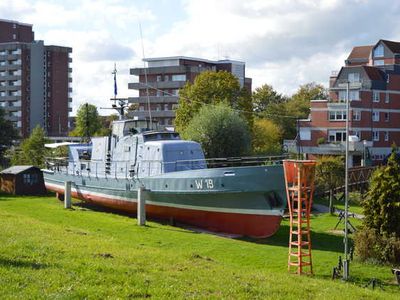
{"x":49,"y":252}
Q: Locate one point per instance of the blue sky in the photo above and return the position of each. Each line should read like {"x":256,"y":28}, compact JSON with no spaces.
{"x":285,"y":43}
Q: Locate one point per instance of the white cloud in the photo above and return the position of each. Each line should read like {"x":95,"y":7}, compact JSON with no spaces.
{"x":284,"y":43}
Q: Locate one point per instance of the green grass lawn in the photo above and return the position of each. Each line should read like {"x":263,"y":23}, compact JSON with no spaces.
{"x":49,"y":252}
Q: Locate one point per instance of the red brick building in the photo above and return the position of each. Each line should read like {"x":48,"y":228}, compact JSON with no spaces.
{"x":35,"y":80}
{"x":373,"y":76}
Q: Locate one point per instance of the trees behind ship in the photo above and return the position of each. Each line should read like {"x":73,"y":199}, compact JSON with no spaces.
{"x":220,"y":130}
{"x":7,"y":136}
{"x":211,"y":88}
{"x":284,"y":111}
{"x":87,"y":122}
{"x":379,"y":239}
{"x":32,"y":150}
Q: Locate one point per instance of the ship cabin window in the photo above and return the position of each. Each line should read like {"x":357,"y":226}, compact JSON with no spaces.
{"x":161,"y":136}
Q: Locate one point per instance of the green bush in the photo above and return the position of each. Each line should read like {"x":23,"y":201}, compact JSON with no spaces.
{"x":371,"y":246}
{"x":321,"y":140}
{"x":220,"y":131}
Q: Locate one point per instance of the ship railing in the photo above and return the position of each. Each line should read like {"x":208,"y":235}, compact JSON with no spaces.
{"x":91,"y":168}
{"x":125,"y":169}
{"x":154,"y":167}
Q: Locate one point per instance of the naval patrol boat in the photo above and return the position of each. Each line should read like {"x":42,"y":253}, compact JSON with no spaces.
{"x":231,"y":196}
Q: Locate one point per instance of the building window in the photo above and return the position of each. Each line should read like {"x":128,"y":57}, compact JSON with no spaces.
{"x":158,"y":78}
{"x":14,"y":36}
{"x":386,"y":136}
{"x":387,"y":97}
{"x":375,"y":116}
{"x":166,"y":78}
{"x":375,"y":136}
{"x":30,"y":178}
{"x":356,"y":115}
{"x":141,"y":108}
{"x":354,"y":95}
{"x":387,"y":117}
{"x":159,"y":93}
{"x":158,"y":107}
{"x":337,"y":115}
{"x":179,"y":77}
{"x":175,"y":92}
{"x":378,"y":51}
{"x":375,"y":96}
{"x":379,"y":62}
{"x":166,"y":107}
{"x":353,"y":77}
{"x":337,"y":136}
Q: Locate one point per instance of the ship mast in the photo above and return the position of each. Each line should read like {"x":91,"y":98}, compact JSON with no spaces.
{"x":119,"y":103}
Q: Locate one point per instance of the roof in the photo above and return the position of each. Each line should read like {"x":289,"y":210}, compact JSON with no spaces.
{"x":193,"y":59}
{"x":17,"y":169}
{"x":360,"y":52}
{"x":16,"y":22}
{"x":374,"y":73}
{"x":393,"y":46}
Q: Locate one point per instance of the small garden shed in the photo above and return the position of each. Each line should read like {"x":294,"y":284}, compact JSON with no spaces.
{"x":22,"y":180}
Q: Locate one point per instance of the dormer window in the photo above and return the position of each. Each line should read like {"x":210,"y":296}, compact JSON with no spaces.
{"x":378,"y":51}
{"x":354,"y":77}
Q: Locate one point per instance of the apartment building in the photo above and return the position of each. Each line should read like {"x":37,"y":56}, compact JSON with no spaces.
{"x":166,"y":75}
{"x":372,"y":76}
{"x":35,"y":80}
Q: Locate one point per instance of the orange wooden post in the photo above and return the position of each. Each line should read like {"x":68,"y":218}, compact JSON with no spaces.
{"x":299,"y":179}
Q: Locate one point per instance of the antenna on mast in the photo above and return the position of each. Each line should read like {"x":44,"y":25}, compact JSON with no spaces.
{"x":122,"y":102}
{"x":145,"y":76}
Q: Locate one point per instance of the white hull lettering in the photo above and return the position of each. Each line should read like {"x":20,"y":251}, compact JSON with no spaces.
{"x":204,"y":184}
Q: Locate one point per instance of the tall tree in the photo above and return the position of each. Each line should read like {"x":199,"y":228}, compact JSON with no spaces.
{"x":299,"y":104}
{"x":8,"y":134}
{"x":382,"y":204}
{"x":106,"y":122}
{"x":211,"y":88}
{"x":329,"y":175}
{"x":220,"y":130}
{"x":264,"y":96}
{"x":32,"y":150}
{"x":267,"y":137}
{"x":87,"y":121}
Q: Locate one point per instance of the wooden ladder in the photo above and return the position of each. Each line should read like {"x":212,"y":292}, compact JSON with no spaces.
{"x":299,"y":179}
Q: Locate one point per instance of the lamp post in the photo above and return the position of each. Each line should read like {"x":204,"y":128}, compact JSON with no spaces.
{"x":346,"y":261}
{"x":346,"y":189}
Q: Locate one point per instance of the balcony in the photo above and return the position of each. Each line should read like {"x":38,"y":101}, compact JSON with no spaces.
{"x":168,"y":70}
{"x":156,"y":85}
{"x":154,"y":99}
{"x":340,"y":147}
{"x":356,"y":85}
